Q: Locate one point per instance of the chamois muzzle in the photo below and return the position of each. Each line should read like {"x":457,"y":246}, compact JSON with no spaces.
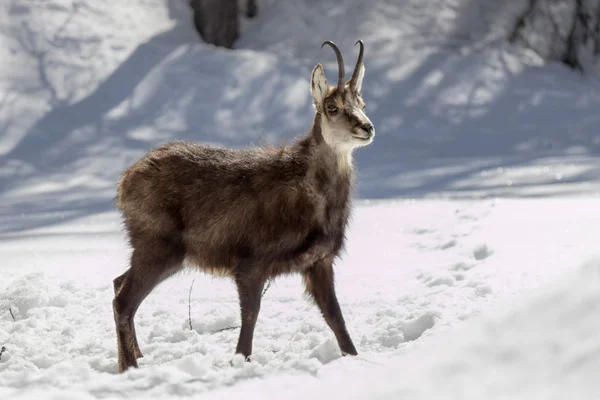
{"x":367,"y":128}
{"x":364,"y":132}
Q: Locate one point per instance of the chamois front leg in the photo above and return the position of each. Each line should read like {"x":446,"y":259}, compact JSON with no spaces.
{"x":319,"y":281}
{"x":250,"y":286}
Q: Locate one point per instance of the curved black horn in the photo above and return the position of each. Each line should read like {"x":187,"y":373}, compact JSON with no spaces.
{"x":340,"y":61}
{"x":358,"y":63}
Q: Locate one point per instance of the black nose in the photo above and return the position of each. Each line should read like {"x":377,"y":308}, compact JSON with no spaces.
{"x":367,"y":128}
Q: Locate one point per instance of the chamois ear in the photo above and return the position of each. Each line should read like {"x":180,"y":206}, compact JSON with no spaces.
{"x":318,"y":86}
{"x":357,"y":86}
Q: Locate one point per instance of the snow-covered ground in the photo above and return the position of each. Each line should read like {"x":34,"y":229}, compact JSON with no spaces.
{"x":414,"y":271}
{"x":468,"y":271}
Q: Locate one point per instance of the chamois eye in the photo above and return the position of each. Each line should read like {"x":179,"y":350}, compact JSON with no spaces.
{"x":332,"y":109}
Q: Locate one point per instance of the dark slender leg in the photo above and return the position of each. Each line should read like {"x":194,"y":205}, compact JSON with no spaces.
{"x":149,"y":266}
{"x":319,"y":281}
{"x":250,"y":290}
{"x":118,"y":283}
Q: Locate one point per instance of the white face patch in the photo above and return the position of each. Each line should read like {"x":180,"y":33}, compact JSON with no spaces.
{"x":343,"y":131}
{"x":337,"y":138}
{"x":344,"y":125}
{"x":341,"y":141}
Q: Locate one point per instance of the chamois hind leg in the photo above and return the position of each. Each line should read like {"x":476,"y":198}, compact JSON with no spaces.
{"x":250,"y":286}
{"x":118,"y":283}
{"x":319,"y":281}
{"x":151,"y":263}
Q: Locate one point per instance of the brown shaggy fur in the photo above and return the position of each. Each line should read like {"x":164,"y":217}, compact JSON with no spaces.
{"x":251,"y":214}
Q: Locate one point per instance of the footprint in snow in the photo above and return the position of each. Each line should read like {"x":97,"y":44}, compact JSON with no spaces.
{"x":461,"y":266}
{"x":458,"y":276}
{"x":393,"y":331}
{"x":415,"y":328}
{"x":448,"y":244}
{"x":440,"y":281}
{"x":481,"y":288}
{"x":481,"y":252}
{"x":432,"y":281}
{"x":422,"y":231}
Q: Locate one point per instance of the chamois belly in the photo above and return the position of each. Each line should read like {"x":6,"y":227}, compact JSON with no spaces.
{"x":273,"y":242}
{"x":225,"y":261}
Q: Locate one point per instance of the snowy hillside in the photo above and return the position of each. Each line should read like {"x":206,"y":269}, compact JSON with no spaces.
{"x":480,"y":188}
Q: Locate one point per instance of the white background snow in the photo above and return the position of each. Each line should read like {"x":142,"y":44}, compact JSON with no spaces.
{"x":471,"y":268}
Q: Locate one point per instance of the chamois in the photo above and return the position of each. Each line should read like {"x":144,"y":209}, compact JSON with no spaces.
{"x":249,"y":214}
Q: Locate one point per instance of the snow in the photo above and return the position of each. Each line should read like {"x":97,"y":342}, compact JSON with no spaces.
{"x":470,"y":267}
{"x":57,"y":282}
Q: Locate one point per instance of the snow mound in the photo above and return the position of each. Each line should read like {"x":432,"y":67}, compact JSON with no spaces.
{"x":481,"y":252}
{"x":540,"y":346}
{"x":415,"y":328}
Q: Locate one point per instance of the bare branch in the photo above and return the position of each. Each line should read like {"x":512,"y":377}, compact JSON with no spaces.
{"x":219,"y":330}
{"x":553,"y":22}
{"x":11,"y":314}
{"x":229,"y":328}
{"x":521,"y":21}
{"x":190,"y":304}
{"x":27,"y":41}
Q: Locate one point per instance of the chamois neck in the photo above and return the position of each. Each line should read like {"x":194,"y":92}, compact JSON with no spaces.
{"x":321,"y":149}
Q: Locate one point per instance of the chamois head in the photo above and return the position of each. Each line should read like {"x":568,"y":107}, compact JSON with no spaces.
{"x":344,"y":124}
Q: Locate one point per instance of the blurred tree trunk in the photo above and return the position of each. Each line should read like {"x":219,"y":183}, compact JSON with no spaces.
{"x":217,"y":20}
{"x":563,"y":30}
{"x":251,"y":8}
